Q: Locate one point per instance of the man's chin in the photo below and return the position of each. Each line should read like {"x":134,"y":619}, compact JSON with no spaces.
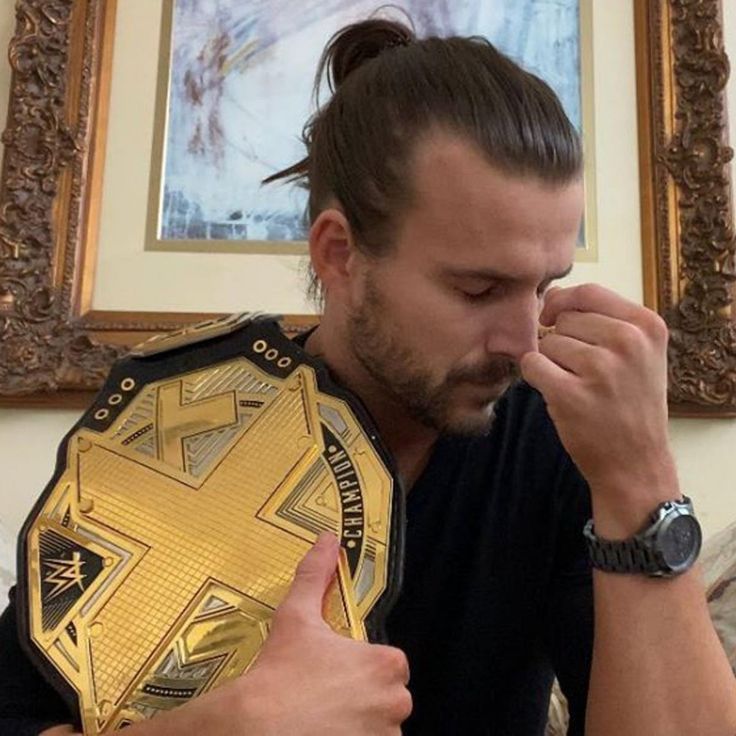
{"x":471,"y":409}
{"x":471,"y":422}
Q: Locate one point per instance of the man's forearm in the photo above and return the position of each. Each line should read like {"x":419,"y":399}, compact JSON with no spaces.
{"x":658,"y":666}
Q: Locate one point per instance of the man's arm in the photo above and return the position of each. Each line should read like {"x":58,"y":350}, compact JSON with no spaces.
{"x":658,"y":667}
{"x":665,"y":667}
{"x":656,"y":657}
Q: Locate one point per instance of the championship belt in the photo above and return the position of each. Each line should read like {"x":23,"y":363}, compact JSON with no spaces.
{"x":182,"y":501}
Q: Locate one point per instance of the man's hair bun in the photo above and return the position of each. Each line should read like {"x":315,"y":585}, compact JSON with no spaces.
{"x":355,"y":44}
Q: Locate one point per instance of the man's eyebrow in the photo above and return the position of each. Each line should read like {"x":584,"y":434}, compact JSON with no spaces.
{"x":490,"y":274}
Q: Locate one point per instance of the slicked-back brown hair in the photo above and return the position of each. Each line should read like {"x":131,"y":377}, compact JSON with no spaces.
{"x":390,"y":89}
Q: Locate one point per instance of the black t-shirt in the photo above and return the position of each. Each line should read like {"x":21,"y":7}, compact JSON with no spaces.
{"x":497,"y":593}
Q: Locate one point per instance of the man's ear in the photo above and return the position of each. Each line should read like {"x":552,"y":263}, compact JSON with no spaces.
{"x":332,"y":249}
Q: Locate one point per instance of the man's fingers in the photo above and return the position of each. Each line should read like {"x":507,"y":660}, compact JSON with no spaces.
{"x":543,"y":374}
{"x":313,"y":576}
{"x":395,"y":662}
{"x":594,"y":329}
{"x":567,"y":352}
{"x":589,"y":298}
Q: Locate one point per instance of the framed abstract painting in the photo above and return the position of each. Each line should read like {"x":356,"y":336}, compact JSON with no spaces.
{"x":231,"y":104}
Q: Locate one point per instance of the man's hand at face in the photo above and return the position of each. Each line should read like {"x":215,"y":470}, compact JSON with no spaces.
{"x":603,"y":375}
{"x":307,"y":680}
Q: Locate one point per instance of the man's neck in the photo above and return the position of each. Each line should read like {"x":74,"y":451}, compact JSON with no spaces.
{"x":409,"y":441}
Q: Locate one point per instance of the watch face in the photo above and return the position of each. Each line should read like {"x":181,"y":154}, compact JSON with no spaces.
{"x":680,"y":542}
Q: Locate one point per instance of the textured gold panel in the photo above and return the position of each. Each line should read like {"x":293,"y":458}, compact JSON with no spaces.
{"x":160,"y":555}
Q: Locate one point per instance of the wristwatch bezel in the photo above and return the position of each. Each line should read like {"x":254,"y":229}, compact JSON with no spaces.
{"x":668,"y":517}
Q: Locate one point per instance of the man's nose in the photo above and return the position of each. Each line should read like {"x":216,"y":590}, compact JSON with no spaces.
{"x":517,"y":332}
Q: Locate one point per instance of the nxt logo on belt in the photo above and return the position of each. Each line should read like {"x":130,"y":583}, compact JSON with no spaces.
{"x":64,"y":574}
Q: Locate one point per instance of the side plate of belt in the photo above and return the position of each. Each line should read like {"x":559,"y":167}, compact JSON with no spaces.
{"x":181,"y":503}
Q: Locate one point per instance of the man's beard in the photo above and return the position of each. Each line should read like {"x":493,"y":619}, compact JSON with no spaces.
{"x":397,"y":369}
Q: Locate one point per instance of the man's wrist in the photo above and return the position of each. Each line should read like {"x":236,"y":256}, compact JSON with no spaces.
{"x":627,"y":517}
{"x":622,"y":508}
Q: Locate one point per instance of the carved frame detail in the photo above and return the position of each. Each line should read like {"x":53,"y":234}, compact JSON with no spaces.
{"x":687,"y":211}
{"x":55,"y":349}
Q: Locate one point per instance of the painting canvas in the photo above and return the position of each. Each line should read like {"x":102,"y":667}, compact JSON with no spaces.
{"x":239,"y":77}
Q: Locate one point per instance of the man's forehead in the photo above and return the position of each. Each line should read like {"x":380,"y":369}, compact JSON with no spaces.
{"x":445,"y":151}
{"x":461,"y":198}
{"x":451,"y":172}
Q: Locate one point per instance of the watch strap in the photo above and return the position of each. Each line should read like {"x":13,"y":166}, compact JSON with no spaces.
{"x":626,"y":556}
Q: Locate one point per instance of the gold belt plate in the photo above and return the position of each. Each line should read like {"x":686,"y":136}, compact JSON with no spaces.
{"x":171,"y":532}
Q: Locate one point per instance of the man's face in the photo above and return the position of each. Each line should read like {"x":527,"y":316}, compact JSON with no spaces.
{"x":441,"y":322}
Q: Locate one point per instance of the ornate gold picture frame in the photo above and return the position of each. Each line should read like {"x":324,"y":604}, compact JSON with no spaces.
{"x":55,"y":347}
{"x":687,"y":206}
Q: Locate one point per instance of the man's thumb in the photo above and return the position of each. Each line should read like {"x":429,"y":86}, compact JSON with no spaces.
{"x":314,"y":574}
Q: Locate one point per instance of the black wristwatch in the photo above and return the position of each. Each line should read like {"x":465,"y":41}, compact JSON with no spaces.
{"x":666,"y":547}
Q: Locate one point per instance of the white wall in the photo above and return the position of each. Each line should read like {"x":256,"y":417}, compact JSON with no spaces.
{"x":704,"y":448}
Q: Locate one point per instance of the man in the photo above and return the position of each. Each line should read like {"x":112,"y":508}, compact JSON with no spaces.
{"x":445,"y":198}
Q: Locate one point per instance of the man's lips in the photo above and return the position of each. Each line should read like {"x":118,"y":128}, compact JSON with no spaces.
{"x":490,"y":378}
{"x":495,"y":386}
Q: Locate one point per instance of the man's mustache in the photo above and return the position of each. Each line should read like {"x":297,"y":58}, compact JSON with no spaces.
{"x":489,"y":374}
